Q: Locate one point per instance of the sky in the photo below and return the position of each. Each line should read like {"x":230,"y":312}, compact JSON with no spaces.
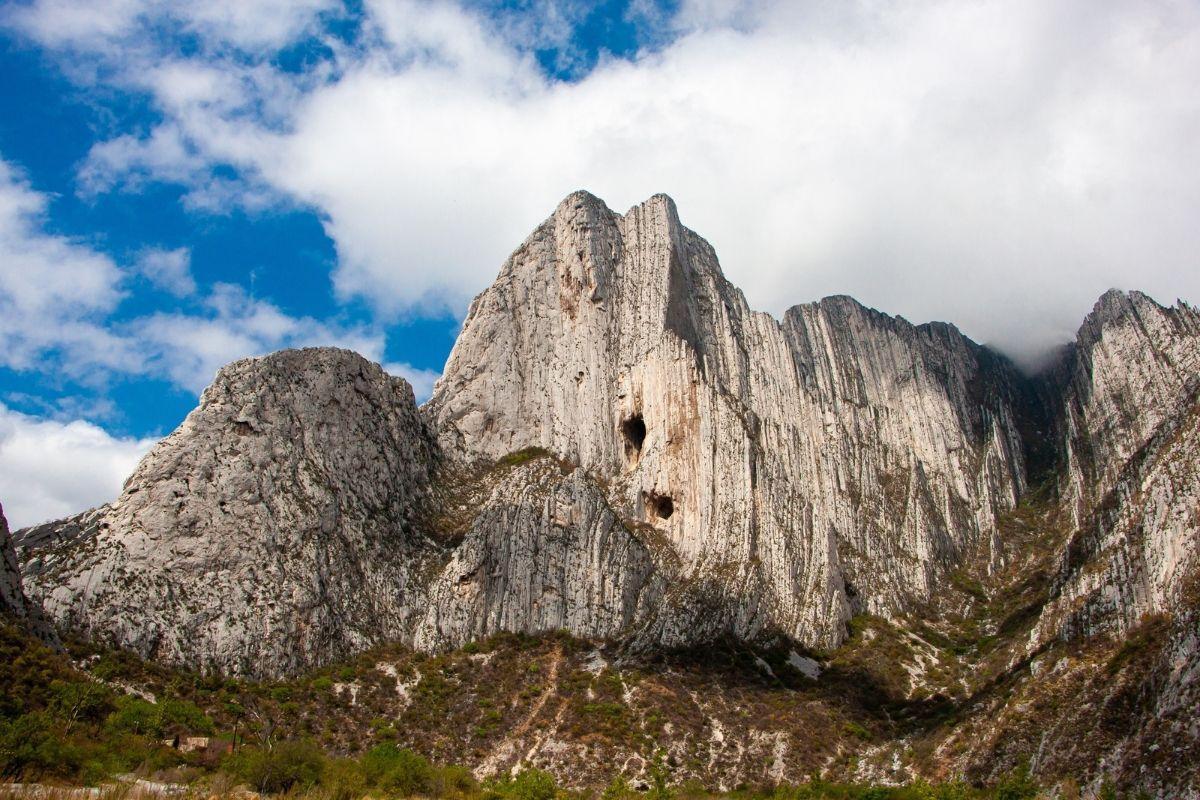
{"x":184,"y":184}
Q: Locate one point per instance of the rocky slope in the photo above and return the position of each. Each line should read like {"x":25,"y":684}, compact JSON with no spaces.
{"x":620,"y":448}
{"x":272,"y":531}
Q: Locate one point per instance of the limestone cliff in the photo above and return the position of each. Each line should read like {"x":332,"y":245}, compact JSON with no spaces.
{"x":999,"y":568}
{"x":1130,"y":477}
{"x":801,"y":470}
{"x":621,"y":448}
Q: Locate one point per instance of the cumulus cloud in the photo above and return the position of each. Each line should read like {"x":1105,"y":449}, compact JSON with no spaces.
{"x":188,"y":349}
{"x":54,"y":292}
{"x":997,"y":164}
{"x":105,"y":24}
{"x":49,"y":469}
{"x":169,"y":270}
{"x":58,"y":299}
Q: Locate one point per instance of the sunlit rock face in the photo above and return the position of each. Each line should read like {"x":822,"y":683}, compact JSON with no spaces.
{"x":1129,"y":429}
{"x":621,"y":448}
{"x":271,"y":531}
{"x":545,"y":552}
{"x":800,"y":470}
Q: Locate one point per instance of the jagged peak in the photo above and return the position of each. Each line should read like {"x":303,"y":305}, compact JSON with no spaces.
{"x":1112,"y":308}
{"x":578,"y":200}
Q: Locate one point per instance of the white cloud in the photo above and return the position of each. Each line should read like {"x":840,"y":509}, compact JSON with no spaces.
{"x":188,"y":349}
{"x":49,"y":469}
{"x":110,"y":24}
{"x":422,"y":380}
{"x":169,"y":270}
{"x":58,"y":298}
{"x":997,"y":164}
{"x":54,"y":291}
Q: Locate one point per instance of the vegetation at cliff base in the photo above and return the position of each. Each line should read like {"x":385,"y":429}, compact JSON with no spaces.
{"x":95,"y":717}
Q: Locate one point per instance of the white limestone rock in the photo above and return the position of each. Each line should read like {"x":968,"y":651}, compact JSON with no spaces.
{"x":800,"y":470}
{"x":1130,"y":480}
{"x":273,"y":530}
{"x":544,"y":553}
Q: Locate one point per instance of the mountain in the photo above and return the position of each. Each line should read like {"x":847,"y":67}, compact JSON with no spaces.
{"x":274,"y":529}
{"x":622,"y":450}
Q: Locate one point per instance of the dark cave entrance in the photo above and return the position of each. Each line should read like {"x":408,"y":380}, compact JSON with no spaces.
{"x":661,"y":506}
{"x":634,"y":431}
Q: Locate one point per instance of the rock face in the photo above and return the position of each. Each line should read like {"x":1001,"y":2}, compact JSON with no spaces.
{"x":784,"y":462}
{"x":14,"y":603}
{"x":544,"y":553}
{"x":12,"y":592}
{"x":272,"y":531}
{"x":621,"y":448}
{"x":1130,"y":480}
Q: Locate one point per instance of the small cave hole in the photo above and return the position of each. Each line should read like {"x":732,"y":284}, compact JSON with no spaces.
{"x":660,"y":505}
{"x":634,"y":431}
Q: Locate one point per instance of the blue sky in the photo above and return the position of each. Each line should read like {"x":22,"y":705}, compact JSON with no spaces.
{"x":186,"y":184}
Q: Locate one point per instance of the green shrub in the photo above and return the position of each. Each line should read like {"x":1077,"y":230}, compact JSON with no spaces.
{"x":287,"y":765}
{"x":519,"y":457}
{"x":529,"y":784}
{"x":134,"y":715}
{"x":31,"y":747}
{"x":343,"y":779}
{"x":454,"y":780}
{"x":77,"y":702}
{"x":1017,"y":786}
{"x":397,"y":771}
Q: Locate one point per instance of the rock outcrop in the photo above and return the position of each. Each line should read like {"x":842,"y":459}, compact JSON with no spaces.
{"x":621,"y":448}
{"x":784,"y":462}
{"x":1130,"y":478}
{"x":12,"y":592}
{"x":272,"y":531}
{"x":544,"y":553}
{"x":14,"y":603}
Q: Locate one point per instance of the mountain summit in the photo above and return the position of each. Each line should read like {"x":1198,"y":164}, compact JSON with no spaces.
{"x":622,"y":449}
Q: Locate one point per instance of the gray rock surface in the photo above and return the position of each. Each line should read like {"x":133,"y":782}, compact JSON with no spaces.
{"x":544,"y":553}
{"x":12,"y":592}
{"x":784,"y":462}
{"x":1130,"y":479}
{"x":272,"y":531}
{"x":701,"y":470}
{"x":13,"y":601}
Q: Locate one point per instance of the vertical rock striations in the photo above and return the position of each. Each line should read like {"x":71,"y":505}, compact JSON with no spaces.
{"x":544,"y":553}
{"x":1130,"y":479}
{"x":621,"y":448}
{"x":784,"y":462}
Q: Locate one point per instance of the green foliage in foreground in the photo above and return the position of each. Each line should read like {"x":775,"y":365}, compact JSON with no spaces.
{"x":58,"y":724}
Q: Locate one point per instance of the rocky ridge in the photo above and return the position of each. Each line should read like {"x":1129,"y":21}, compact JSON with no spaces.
{"x":783,"y":461}
{"x":12,"y":589}
{"x":621,"y":449}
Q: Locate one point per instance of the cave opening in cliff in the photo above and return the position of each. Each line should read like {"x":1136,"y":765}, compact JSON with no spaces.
{"x":634,"y":431}
{"x":660,"y":505}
